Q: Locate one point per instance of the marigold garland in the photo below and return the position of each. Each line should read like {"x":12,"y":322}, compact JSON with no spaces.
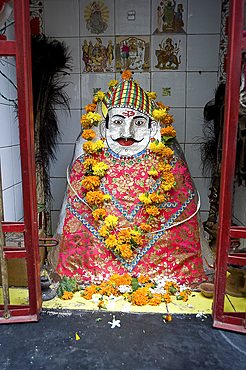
{"x":127,"y":239}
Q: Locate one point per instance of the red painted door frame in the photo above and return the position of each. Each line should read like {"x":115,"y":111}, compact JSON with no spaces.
{"x":21,"y":49}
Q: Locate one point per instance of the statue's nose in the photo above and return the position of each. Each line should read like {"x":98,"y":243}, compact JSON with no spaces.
{"x":126,"y":132}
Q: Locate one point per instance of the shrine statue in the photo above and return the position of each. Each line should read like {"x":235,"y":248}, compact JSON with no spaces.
{"x":131,"y":205}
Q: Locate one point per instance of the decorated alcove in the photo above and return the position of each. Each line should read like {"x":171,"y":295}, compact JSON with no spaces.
{"x":186,"y":81}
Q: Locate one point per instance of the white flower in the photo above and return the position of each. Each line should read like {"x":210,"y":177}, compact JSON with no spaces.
{"x":114,"y":323}
{"x":125,"y":289}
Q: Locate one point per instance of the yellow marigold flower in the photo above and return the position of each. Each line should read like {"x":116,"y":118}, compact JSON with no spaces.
{"x":98,"y":96}
{"x":90,"y":182}
{"x":94,"y":118}
{"x":90,"y":108}
{"x":111,"y":221}
{"x":124,"y":236}
{"x":144,"y":198}
{"x":88,"y":134}
{"x":104,"y":232}
{"x":67,"y":295}
{"x":107,"y":197}
{"x":125,"y":250}
{"x":89,"y":147}
{"x":100,"y":169}
{"x":112,"y":83}
{"x":99,"y":213}
{"x":126,"y":75}
{"x":152,"y":171}
{"x":159,"y":114}
{"x":156,"y":147}
{"x":89,"y":162}
{"x":152,"y":211}
{"x":99,"y":145}
{"x":111,"y":242}
{"x":168,"y":131}
{"x":157,"y":198}
{"x":140,"y":297}
{"x":94,"y":197}
{"x":152,"y":95}
{"x":145,"y":228}
{"x":85,"y":122}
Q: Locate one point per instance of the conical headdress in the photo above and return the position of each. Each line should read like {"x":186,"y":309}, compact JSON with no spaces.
{"x":128,"y":94}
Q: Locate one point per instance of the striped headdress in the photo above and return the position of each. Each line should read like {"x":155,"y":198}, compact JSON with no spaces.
{"x":127,"y":94}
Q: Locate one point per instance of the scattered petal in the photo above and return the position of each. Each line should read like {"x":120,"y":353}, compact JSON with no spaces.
{"x":77,"y":337}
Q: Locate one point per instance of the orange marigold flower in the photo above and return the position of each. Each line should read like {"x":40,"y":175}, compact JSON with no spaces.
{"x":145,"y":228}
{"x":89,"y":291}
{"x":125,"y":250}
{"x":89,"y":147}
{"x":85,"y":122}
{"x":89,"y":162}
{"x":94,"y":197}
{"x":167,"y":120}
{"x":168,"y":131}
{"x":167,"y":298}
{"x":167,"y":317}
{"x":152,"y":211}
{"x":118,"y":280}
{"x":90,"y":108}
{"x":126,"y":75}
{"x":166,"y":153}
{"x":160,"y":105}
{"x":157,"y":198}
{"x":90,"y":182}
{"x":143,"y":279}
{"x":104,"y":232}
{"x":164,"y":168}
{"x":124,"y":236}
{"x":67,"y":295}
{"x":140,"y":297}
{"x":155,"y":300}
{"x":99,"y":213}
{"x":88,"y":134}
{"x":137,"y":239}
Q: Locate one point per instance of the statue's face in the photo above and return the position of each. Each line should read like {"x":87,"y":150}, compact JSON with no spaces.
{"x":128,"y":131}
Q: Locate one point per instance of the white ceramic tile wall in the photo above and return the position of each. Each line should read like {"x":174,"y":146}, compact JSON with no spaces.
{"x":69,"y":125}
{"x":201,"y":88}
{"x":175,"y":82}
{"x":139,"y":26}
{"x":202,"y":52}
{"x":61,"y":19}
{"x":185,"y":90}
{"x":203,"y":16}
{"x":194,"y":125}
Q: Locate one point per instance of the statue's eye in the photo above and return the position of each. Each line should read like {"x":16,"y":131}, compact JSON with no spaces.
{"x":139,"y":122}
{"x":117,"y":121}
